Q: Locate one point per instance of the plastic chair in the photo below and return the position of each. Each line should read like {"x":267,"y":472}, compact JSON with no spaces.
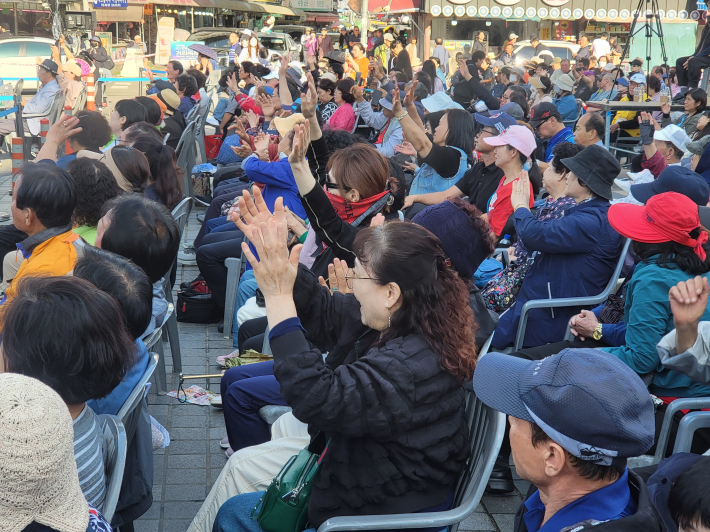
{"x":155,"y":340}
{"x":486,"y":347}
{"x":580,"y":111}
{"x":53,"y":115}
{"x":80,"y":102}
{"x":578,"y":302}
{"x":138,"y":391}
{"x":115,"y":447}
{"x":187,"y":155}
{"x":234,"y":272}
{"x":486,"y":428}
{"x":691,"y":422}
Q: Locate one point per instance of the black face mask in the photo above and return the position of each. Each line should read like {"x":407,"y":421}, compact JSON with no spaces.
{"x":94,"y":44}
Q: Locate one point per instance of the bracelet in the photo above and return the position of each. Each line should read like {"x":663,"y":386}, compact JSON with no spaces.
{"x":400,"y":117}
{"x":523,"y":205}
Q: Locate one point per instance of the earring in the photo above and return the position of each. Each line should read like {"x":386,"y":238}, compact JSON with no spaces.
{"x":389,"y":318}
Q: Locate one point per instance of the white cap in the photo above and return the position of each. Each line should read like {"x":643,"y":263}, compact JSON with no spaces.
{"x":272,"y":75}
{"x":673,"y":134}
{"x":512,"y":36}
{"x":638,"y":78}
{"x":609,"y":67}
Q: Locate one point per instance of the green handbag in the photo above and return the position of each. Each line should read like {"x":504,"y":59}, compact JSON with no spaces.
{"x":284,"y":505}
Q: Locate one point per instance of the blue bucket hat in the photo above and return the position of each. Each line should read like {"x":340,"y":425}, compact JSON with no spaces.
{"x":587,"y":401}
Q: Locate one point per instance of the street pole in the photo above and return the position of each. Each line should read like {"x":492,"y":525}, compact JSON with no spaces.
{"x":364,"y":23}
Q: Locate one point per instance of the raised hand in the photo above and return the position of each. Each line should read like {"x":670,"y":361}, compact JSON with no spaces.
{"x":309,"y":100}
{"x":238,"y":128}
{"x":233,"y":83}
{"x":283,"y":66}
{"x":689,"y":300}
{"x":252,"y":118}
{"x":406,"y":148}
{"x":261,"y":141}
{"x":336,"y":277}
{"x":267,"y":105}
{"x":666,"y":108}
{"x":357,"y":93}
{"x":409,"y":97}
{"x":521,"y":191}
{"x":275,"y":270}
{"x":251,"y":212}
{"x":242,"y":151}
{"x":396,"y":103}
{"x":301,"y":141}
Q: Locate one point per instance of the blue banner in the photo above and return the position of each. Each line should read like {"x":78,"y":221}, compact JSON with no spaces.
{"x":179,"y":51}
{"x":110,"y":3}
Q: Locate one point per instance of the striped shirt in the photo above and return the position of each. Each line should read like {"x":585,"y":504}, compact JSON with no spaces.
{"x":89,"y":456}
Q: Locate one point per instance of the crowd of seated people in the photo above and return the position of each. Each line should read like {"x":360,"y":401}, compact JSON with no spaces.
{"x":367,"y":211}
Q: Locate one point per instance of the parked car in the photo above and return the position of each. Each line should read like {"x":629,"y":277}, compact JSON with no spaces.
{"x":524,"y":51}
{"x":218,"y":40}
{"x":18,"y":58}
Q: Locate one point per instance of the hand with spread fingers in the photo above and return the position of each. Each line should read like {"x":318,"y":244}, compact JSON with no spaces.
{"x":261,"y":141}
{"x":406,"y":148}
{"x":410,"y":97}
{"x":396,"y":103}
{"x":252,"y":118}
{"x":301,"y":141}
{"x":62,"y":129}
{"x":309,"y":101}
{"x":275,"y":270}
{"x":336,"y":277}
{"x":238,"y":128}
{"x":252,"y":212}
{"x":242,"y":151}
{"x":267,"y":105}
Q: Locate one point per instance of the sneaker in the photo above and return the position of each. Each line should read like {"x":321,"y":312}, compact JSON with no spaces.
{"x":203,"y":200}
{"x":201,"y":217}
{"x":229,"y":452}
{"x":188,"y":256}
{"x":222,"y":360}
{"x":224,"y":444}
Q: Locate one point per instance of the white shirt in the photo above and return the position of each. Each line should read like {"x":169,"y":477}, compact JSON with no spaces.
{"x":600,"y":48}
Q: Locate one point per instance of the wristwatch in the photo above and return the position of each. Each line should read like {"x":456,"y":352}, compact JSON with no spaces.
{"x":597,"y":334}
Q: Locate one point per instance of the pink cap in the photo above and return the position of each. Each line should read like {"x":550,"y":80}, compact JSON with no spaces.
{"x":519,"y":137}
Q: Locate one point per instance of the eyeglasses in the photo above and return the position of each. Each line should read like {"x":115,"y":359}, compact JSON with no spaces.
{"x":482,"y":131}
{"x":350,"y":275}
{"x":330,"y":186}
{"x":541,"y":123}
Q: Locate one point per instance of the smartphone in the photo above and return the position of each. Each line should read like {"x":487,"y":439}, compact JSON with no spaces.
{"x":358,"y":76}
{"x":361,"y":82}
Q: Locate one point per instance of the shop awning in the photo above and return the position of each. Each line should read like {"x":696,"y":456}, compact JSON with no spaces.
{"x":321,"y":17}
{"x":184,"y":3}
{"x":281,"y":10}
{"x":387,"y":6}
{"x":234,"y":5}
{"x":131,"y":13}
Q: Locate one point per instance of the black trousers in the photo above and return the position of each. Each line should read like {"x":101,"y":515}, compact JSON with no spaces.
{"x":215,"y":209}
{"x":10,"y":236}
{"x":251,"y":334}
{"x":215,"y":248}
{"x":690,"y":77}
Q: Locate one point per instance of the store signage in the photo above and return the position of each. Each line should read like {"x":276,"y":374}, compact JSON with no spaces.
{"x":180,"y":51}
{"x":148,"y":10}
{"x":315,"y":5}
{"x":110,"y":3}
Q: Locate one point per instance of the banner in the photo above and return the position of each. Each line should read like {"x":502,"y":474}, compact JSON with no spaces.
{"x":179,"y":51}
{"x":166,"y":31}
{"x":110,"y":3}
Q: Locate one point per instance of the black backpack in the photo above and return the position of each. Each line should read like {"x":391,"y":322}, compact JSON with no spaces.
{"x":197,"y":305}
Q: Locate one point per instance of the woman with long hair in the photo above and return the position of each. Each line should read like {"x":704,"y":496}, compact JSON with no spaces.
{"x":430,"y":68}
{"x":402,"y":62}
{"x":251,"y":50}
{"x":402,"y":287}
{"x":165,"y":183}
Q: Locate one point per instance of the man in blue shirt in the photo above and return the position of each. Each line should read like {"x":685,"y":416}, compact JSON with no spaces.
{"x":575,"y":418}
{"x":547,"y":122}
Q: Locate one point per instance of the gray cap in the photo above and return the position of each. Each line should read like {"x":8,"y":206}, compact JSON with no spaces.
{"x":513,"y":109}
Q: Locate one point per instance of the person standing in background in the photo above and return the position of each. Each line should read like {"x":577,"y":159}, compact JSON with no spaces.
{"x":325,"y":44}
{"x":412,"y":49}
{"x":442,"y":54}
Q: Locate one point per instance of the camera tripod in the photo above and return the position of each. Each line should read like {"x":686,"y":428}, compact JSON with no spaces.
{"x":651,"y":30}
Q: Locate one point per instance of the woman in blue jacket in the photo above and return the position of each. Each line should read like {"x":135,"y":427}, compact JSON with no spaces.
{"x":576,"y":254}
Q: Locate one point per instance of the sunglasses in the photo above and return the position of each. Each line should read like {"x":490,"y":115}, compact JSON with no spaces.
{"x":334,"y":186}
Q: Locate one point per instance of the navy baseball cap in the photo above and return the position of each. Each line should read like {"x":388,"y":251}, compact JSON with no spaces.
{"x":675,"y":179}
{"x":497,"y":120}
{"x":587,"y":401}
{"x":623,"y":82}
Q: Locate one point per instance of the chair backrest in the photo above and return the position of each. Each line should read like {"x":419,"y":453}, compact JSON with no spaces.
{"x":486,"y":428}
{"x":181,"y":212}
{"x":18,"y":90}
{"x":80,"y":102}
{"x":357,"y":119}
{"x":187,"y":153}
{"x":138,"y":390}
{"x":115,"y":447}
{"x":57,"y":108}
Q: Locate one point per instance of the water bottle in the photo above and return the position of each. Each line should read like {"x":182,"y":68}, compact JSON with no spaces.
{"x":637,"y":94}
{"x":505,"y":241}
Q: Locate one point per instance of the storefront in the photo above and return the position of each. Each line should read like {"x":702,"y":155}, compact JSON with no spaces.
{"x":461,"y":20}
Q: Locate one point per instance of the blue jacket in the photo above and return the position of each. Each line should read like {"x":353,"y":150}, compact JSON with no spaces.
{"x":567,"y":106}
{"x":576,"y":257}
{"x":648,"y":318}
{"x":614,"y":334}
{"x":113,"y":402}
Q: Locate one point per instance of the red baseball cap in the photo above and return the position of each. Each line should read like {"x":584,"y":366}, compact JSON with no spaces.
{"x":667,"y":217}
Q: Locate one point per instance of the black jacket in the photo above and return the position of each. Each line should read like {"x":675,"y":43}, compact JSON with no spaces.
{"x":101,"y":58}
{"x":395,"y":418}
{"x":465,"y":91}
{"x":174,"y":125}
{"x":645,"y":519}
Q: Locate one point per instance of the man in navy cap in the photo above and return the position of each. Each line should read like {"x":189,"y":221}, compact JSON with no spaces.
{"x":481,"y":180}
{"x":574,"y":419}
